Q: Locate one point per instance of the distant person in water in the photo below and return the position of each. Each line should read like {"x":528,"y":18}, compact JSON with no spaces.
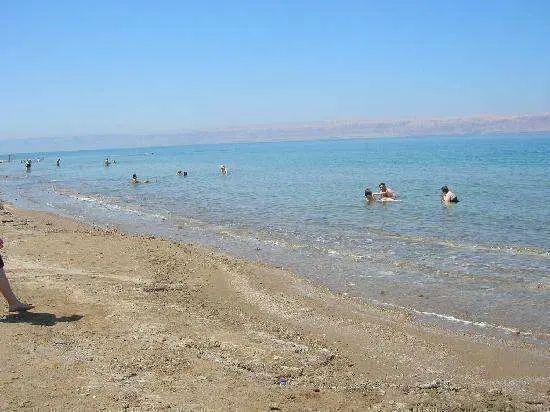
{"x":28,"y":164}
{"x":223,"y":169}
{"x":58,"y":162}
{"x":135,"y":180}
{"x":14,"y":304}
{"x":107,"y":162}
{"x":386,"y":193}
{"x":448,"y":197}
{"x":181,"y":173}
{"x":369,"y":196}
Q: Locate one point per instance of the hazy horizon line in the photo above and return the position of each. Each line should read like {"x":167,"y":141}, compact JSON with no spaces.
{"x":260,"y":126}
{"x":292,"y":131}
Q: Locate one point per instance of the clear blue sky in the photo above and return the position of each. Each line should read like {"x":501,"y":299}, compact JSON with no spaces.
{"x":89,"y":67}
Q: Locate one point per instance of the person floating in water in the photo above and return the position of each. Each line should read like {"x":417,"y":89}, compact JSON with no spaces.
{"x":135,"y":180}
{"x":58,"y":162}
{"x":386,"y":193}
{"x":223,"y":169}
{"x":448,"y":197}
{"x":181,"y":173}
{"x":369,"y":196}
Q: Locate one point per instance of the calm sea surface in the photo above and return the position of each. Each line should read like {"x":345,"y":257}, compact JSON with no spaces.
{"x":482,"y":264}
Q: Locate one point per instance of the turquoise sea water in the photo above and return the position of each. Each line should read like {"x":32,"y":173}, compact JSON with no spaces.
{"x":482,"y":264}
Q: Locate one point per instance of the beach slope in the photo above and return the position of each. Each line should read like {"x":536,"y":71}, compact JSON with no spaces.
{"x":135,"y":322}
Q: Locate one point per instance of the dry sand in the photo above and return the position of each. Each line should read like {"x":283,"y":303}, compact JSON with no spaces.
{"x":140,"y":323}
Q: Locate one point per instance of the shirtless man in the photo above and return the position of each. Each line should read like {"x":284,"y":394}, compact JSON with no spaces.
{"x":386,"y":193}
{"x":447,"y":196}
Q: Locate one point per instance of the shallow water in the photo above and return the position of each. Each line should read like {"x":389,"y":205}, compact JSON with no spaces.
{"x":300,"y":205}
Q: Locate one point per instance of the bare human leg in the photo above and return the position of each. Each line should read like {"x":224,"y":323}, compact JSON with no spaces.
{"x":15,"y":305}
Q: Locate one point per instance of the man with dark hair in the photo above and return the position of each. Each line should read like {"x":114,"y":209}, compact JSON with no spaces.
{"x":448,"y":197}
{"x":386,"y":192}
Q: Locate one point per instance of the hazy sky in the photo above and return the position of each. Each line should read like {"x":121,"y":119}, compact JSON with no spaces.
{"x":89,"y":67}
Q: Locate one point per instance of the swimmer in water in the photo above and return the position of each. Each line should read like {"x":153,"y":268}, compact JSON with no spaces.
{"x":386,"y":193}
{"x":135,"y":180}
{"x":107,"y":162}
{"x":369,"y":196}
{"x":448,"y":197}
{"x":58,"y":162}
{"x":223,"y":169}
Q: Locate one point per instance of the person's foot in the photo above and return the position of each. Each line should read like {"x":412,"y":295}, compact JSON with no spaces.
{"x":21,"y":307}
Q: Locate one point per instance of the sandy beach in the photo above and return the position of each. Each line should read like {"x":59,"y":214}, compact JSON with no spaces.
{"x":134,"y":322}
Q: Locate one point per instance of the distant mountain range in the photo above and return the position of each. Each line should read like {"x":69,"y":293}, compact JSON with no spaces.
{"x":470,"y":125}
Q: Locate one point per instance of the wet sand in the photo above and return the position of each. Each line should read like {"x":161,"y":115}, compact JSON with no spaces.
{"x":134,"y":322}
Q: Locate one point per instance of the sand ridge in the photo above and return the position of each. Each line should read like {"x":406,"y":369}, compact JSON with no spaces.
{"x":136,"y":322}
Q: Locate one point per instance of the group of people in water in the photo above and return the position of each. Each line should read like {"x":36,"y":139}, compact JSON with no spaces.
{"x":223,"y":170}
{"x":28,"y":163}
{"x":388,"y":195}
{"x":385,"y":194}
{"x":107,"y":162}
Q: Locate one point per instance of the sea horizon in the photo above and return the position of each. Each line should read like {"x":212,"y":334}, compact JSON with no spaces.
{"x":472,"y":125}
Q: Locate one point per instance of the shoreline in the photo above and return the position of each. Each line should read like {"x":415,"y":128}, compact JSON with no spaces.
{"x":443,"y":319}
{"x":135,"y":321}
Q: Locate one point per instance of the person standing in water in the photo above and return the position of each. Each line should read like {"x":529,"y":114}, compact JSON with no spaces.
{"x":448,"y":197}
{"x":58,"y":162}
{"x":223,"y":169}
{"x":14,"y":304}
